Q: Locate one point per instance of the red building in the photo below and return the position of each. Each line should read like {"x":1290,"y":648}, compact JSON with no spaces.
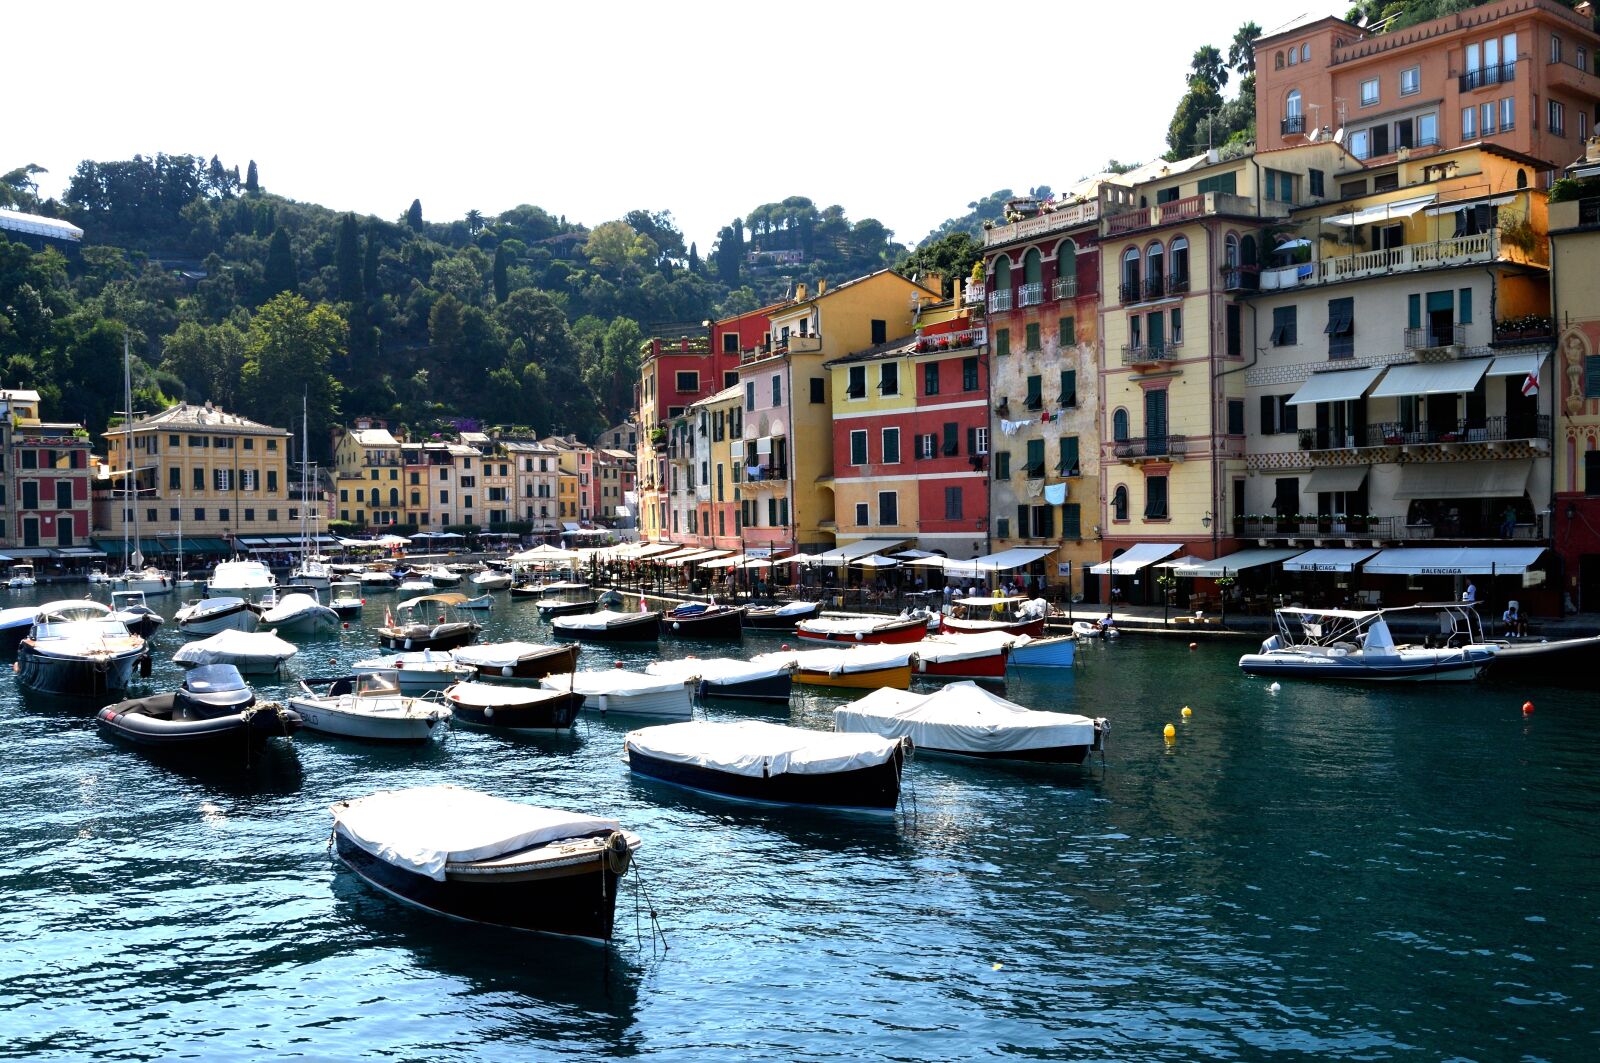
{"x":46,"y":508}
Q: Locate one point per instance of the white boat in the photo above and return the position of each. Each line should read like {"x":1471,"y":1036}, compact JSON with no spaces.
{"x":376,"y":579}
{"x":207,"y":616}
{"x":135,"y":575}
{"x":240,"y":579}
{"x":490,"y":580}
{"x":130,"y":608}
{"x":441,"y":576}
{"x":728,"y":677}
{"x":14,"y":624}
{"x":78,"y":648}
{"x":415,"y":586}
{"x":965,"y":720}
{"x":252,"y":652}
{"x":300,"y":614}
{"x":481,"y":602}
{"x":420,"y":671}
{"x":370,"y":706}
{"x":312,"y":573}
{"x":614,"y":690}
{"x":1098,"y":629}
{"x":1358,"y":645}
{"x":149,"y":581}
{"x":21,"y":576}
{"x":98,"y":575}
{"x":346,"y":599}
{"x":865,"y":667}
{"x":978,"y":655}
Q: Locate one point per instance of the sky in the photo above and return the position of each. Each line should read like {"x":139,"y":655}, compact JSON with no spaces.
{"x":901,"y":112}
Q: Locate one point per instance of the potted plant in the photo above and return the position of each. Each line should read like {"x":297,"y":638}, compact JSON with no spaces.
{"x":1339,"y":522}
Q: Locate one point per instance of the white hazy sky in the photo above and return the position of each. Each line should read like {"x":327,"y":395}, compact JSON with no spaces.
{"x":896,"y":111}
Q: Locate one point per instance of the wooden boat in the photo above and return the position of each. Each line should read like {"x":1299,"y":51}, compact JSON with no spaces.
{"x":213,"y":709}
{"x":78,"y":649}
{"x":965,"y":720}
{"x":782,"y":617}
{"x":863,"y":628}
{"x":446,"y":633}
{"x":728,"y":677}
{"x":368,"y":705}
{"x":1059,"y":651}
{"x":207,"y":616}
{"x":854,"y":667}
{"x":483,"y":603}
{"x":754,"y":760}
{"x":571,"y":599}
{"x":1013,"y":615}
{"x":700,"y":621}
{"x":420,"y":672}
{"x":977,"y":656}
{"x":482,"y":859}
{"x":609,"y":626}
{"x":613,"y":690}
{"x":513,"y":708}
{"x":518,"y":660}
{"x":255,"y":652}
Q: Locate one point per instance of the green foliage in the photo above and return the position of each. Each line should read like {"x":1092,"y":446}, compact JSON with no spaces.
{"x":951,"y":257}
{"x":1207,"y":69}
{"x":414,"y":215}
{"x":252,"y":182}
{"x":348,"y":260}
{"x":990,"y":208}
{"x":289,"y":353}
{"x":1570,"y":188}
{"x":278,"y":275}
{"x":19,"y":190}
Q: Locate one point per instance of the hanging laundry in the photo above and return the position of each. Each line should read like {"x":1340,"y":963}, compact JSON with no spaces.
{"x":1055,"y":494}
{"x":1011,"y":428}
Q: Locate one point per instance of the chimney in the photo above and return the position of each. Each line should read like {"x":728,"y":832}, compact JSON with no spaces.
{"x":822,"y":285}
{"x":934,"y":282}
{"x":799,"y":293}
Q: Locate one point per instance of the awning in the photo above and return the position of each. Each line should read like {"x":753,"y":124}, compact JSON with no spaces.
{"x":725,"y":562}
{"x":1455,"y":205}
{"x":1006,"y":560}
{"x":1338,"y":478}
{"x":850,"y":551}
{"x":1328,"y":560}
{"x":1342,"y":386}
{"x":1464,"y":479}
{"x":1517,"y":364}
{"x":248,"y":541}
{"x":1134,"y":558}
{"x":28,"y":553}
{"x":1400,"y":208}
{"x":1454,"y":561}
{"x":696,"y":555}
{"x":1186,"y":561}
{"x":1236,"y":562}
{"x":79,"y":551}
{"x":1432,"y":378}
{"x":624,"y":511}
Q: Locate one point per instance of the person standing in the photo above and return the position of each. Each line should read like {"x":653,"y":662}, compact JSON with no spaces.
{"x":1470,"y":595}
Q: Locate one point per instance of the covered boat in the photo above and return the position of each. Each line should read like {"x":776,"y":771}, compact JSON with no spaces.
{"x":856,"y":667}
{"x":368,"y":705}
{"x":758,"y":761}
{"x":377,"y":579}
{"x":442,"y":576}
{"x":78,"y":649}
{"x":412,"y":633}
{"x":482,"y":859}
{"x":518,"y":660}
{"x":300,"y":614}
{"x":1013,"y":615}
{"x":490,"y":580}
{"x":966,"y":656}
{"x":1358,"y":645}
{"x":698,"y":620}
{"x":728,"y":677}
{"x":420,"y":671}
{"x":612,"y":690}
{"x":130,"y":608}
{"x":565,"y":599}
{"x":252,"y":652}
{"x":782,"y":617}
{"x":14,"y":624}
{"x":864,"y":627}
{"x":609,"y":626}
{"x":514,"y":708}
{"x":965,"y":720}
{"x":1057,"y":651}
{"x":207,"y":616}
{"x":345,"y":599}
{"x":214,"y":708}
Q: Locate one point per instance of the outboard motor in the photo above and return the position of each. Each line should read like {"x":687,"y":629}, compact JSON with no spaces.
{"x":1272,"y":643}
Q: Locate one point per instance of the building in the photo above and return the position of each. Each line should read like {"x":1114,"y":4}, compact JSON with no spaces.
{"x":1518,"y":72}
{"x":1575,"y":380}
{"x":39,"y":232}
{"x":705,"y":494}
{"x":536,"y":471}
{"x":368,"y":476}
{"x":624,"y":436}
{"x":614,"y":480}
{"x":575,"y":459}
{"x":497,"y":486}
{"x":442,"y":482}
{"x":45,"y":509}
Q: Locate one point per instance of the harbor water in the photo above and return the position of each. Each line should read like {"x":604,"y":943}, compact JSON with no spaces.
{"x":1313,"y":872}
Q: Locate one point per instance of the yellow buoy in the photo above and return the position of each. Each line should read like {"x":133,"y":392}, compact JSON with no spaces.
{"x":1169,"y":731}
{"x":1187,"y":711}
{"x":997,"y":967}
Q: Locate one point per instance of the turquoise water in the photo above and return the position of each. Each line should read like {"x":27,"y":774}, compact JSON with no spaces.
{"x":1317,"y":873}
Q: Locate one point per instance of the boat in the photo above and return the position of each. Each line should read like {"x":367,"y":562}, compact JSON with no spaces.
{"x":863,"y":628}
{"x":1358,"y":645}
{"x":98,"y":575}
{"x":483,"y":603}
{"x":965,"y":720}
{"x":419,"y":672}
{"x":1057,"y":651}
{"x":514,"y":708}
{"x":728,"y":677}
{"x":609,"y":626}
{"x":214,"y":710}
{"x":312,"y":572}
{"x":518,"y":660}
{"x":207,"y":616}
{"x":1547,"y":660}
{"x":415,"y":586}
{"x":558,"y":588}
{"x":300,"y":614}
{"x":1011,"y":614}
{"x":240,"y":579}
{"x":772,"y":763}
{"x":490,"y":580}
{"x":368,"y":705}
{"x":446,"y":633}
{"x":781,"y":617}
{"x":135,"y":574}
{"x":15,"y":623}
{"x":697,"y":620}
{"x":863,"y":667}
{"x":482,"y":859}
{"x":565,"y":599}
{"x":130,"y":608}
{"x":442,"y":576}
{"x":1085,"y":629}
{"x":965,"y":656}
{"x":611,"y":690}
{"x":21,"y":576}
{"x":376,"y":579}
{"x":255,"y":652}
{"x":78,"y":648}
{"x":345,"y":599}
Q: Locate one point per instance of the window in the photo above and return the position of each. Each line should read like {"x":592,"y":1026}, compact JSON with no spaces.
{"x":891,"y":446}
{"x":880,"y":331}
{"x":30,"y":459}
{"x":1341,"y":328}
{"x":1350,"y":189}
{"x":927,"y":446}
{"x":1285,"y":326}
{"x":1002,"y":341}
{"x":1305,"y":53}
{"x":1277,"y":416}
{"x":730,"y":343}
{"x":1469,"y":122}
{"x":1410,"y":82}
{"x":1067,"y":332}
{"x":969,"y":374}
{"x":175,"y":478}
{"x":953,"y":503}
{"x":1555,"y":48}
{"x":1155,"y":498}
{"x":1360,"y":144}
{"x":1119,"y":503}
{"x":1235,"y":331}
{"x":272,"y":444}
{"x":930,"y":378}
{"x":888,"y":508}
{"x":1002,"y":527}
{"x":1033,"y":469}
{"x":952,"y":439}
{"x":1386,"y":182}
{"x":1035,"y":392}
{"x":688,"y":381}
{"x":1236,"y":417}
{"x":272,"y":479}
{"x":223,"y":478}
{"x":1558,"y":118}
{"x":777,"y":391}
{"x":1031,"y":336}
{"x":199,"y":513}
{"x":1175,"y":328}
{"x":1508,"y":114}
{"x":1280,"y":186}
{"x":1315,"y":180}
{"x":1069,"y":389}
{"x":1583,"y":125}
{"x":858,"y":447}
{"x":750,"y":396}
{"x":1486,"y":113}
{"x":1119,"y":426}
{"x":978,"y":441}
{"x":1227,"y":183}
{"x":857,"y":387}
{"x":1136,"y":332}
{"x":1427,"y":130}
{"x":889,"y":378}
{"x":863,"y":514}
{"x":1068,"y":463}
{"x":1002,"y":465}
{"x":1464,"y":306}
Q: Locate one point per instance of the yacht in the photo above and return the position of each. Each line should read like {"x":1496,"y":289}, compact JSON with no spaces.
{"x":79,"y":648}
{"x":240,"y":579}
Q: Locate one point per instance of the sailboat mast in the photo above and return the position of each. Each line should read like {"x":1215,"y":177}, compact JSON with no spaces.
{"x":128,"y":496}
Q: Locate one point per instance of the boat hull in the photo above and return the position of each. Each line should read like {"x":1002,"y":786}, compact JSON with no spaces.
{"x":1558,"y":661}
{"x":646,"y":629}
{"x":75,"y":677}
{"x":719,"y":624}
{"x":888,"y":634}
{"x":535,"y":666}
{"x":767,"y":688}
{"x":1046,"y":653}
{"x":557,"y":713}
{"x":875,"y":789}
{"x":438,"y":637}
{"x":1462,"y":669}
{"x":989,"y":666}
{"x":239,"y":618}
{"x":1032,"y":628}
{"x":549,"y":609}
{"x":318,"y":716}
{"x":308,"y":622}
{"x":767,"y":620}
{"x":897,"y":676}
{"x":150,"y":722}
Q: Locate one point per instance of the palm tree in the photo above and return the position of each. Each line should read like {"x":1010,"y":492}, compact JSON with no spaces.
{"x":1242,"y":51}
{"x":1208,"y":68}
{"x":474,"y":222}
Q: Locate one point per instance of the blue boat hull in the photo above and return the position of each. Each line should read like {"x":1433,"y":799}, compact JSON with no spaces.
{"x":1049,"y":653}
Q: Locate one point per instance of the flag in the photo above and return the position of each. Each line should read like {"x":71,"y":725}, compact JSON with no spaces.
{"x":388,"y":617}
{"x":1530,"y":386}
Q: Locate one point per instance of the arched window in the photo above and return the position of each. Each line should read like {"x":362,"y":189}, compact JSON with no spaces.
{"x":1247,"y":250}
{"x":1154,"y":271}
{"x":1305,"y":53}
{"x":1291,"y":105}
{"x":1032,"y":291}
{"x":1230,"y":251}
{"x":1002,"y":274}
{"x":1522,"y":178}
{"x":394,"y":496}
{"x":1119,"y":426}
{"x":1130,"y":275}
{"x":1277,"y":61}
{"x":1178,"y":268}
{"x":1119,"y":503}
{"x":1066,"y":270}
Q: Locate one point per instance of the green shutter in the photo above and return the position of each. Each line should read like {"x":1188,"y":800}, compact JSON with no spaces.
{"x":1069,"y":332}
{"x":1035,"y":456}
{"x":1413,"y":311}
{"x":1440,"y":301}
{"x":1002,"y":341}
{"x":1071,"y":522}
{"x":1069,"y":387}
{"x":1032,"y":333}
{"x":1002,"y":465}
{"x":1464,"y":315}
{"x":1069,"y":455}
{"x":1035,"y":390}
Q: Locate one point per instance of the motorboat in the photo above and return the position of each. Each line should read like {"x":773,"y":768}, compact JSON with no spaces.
{"x":781,"y":617}
{"x":699,"y":620}
{"x":442,"y":576}
{"x":967,"y":656}
{"x":609,"y":626}
{"x":965,"y":720}
{"x":567,"y":599}
{"x":130,"y":608}
{"x":1096,"y":629}
{"x":482,"y":859}
{"x":345,"y":599}
{"x":420,"y":671}
{"x":1547,"y":660}
{"x":300,"y":614}
{"x":21,"y":576}
{"x":1011,"y":614}
{"x":863,"y":628}
{"x":772,"y":763}
{"x":312,"y":572}
{"x":15,"y":623}
{"x":149,"y":580}
{"x":240,"y":579}
{"x":482,"y":603}
{"x":415,"y":586}
{"x":377,"y":579}
{"x":491,"y":580}
{"x":613,"y":690}
{"x":214,"y":710}
{"x":518,"y":660}
{"x":1358,"y":645}
{"x":446,"y":633}
{"x":368,"y":705}
{"x":1057,"y":651}
{"x":207,"y":616}
{"x":253,"y":652}
{"x":514,"y":708}
{"x":98,"y":575}
{"x":79,"y":649}
{"x":728,"y":677}
{"x":863,"y":667}
{"x":561,"y":587}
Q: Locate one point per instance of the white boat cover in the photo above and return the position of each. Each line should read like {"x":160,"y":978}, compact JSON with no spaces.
{"x":593,"y":621}
{"x":965,"y":646}
{"x":500,"y":654}
{"x":610,"y":681}
{"x":841,"y":660}
{"x":415,"y":661}
{"x":964,"y":718}
{"x":794,"y":608}
{"x":498,"y":694}
{"x":850,"y":625}
{"x":715,"y":669}
{"x":422,"y":829}
{"x":290,"y":607}
{"x":756,"y":748}
{"x":238,"y":648}
{"x":204,"y":607}
{"x":20,"y":616}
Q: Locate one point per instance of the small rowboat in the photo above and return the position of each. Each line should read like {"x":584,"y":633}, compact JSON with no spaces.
{"x":608,"y":626}
{"x":368,"y":705}
{"x":728,"y":677}
{"x":780,"y":617}
{"x":864,"y":628}
{"x":951,"y":656}
{"x":698,"y":621}
{"x":513,"y":708}
{"x":517,"y":660}
{"x":1010,"y":615}
{"x":854,"y":667}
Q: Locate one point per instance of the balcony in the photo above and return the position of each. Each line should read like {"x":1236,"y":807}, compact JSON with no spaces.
{"x":1064,"y":288}
{"x":1000,"y":300}
{"x":1487,"y":76}
{"x":1573,"y":78}
{"x":1435,"y":337}
{"x":1241,"y":279}
{"x":1140,"y":449}
{"x":949,"y":341}
{"x":1128,"y":292}
{"x":1137,"y":354}
{"x":976,"y":293}
{"x":1048,"y":221}
{"x":804,"y":344}
{"x":759,"y":476}
{"x":1208,"y":204}
{"x":1294,"y":123}
{"x":1497,"y":429}
{"x":702,"y":493}
{"x":1030,"y":294}
{"x":1153,"y":287}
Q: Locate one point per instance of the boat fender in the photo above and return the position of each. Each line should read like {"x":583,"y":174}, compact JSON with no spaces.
{"x":922,"y":666}
{"x":676,"y":625}
{"x":408,"y":644}
{"x":860,"y":636}
{"x":488,"y":712}
{"x":505,"y":671}
{"x":618,"y":854}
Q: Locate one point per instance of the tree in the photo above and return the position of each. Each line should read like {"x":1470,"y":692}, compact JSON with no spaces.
{"x":1192,"y":126}
{"x":289,"y":351}
{"x":18,"y":189}
{"x":1242,"y":49}
{"x":369,"y":269}
{"x":414,"y":215}
{"x":694,"y":260}
{"x":613,"y":246}
{"x":1207,"y":69}
{"x":951,"y":257}
{"x":279,"y":275}
{"x":502,"y":281}
{"x":252,"y":182}
{"x":347,"y":259}
{"x":474,"y":222}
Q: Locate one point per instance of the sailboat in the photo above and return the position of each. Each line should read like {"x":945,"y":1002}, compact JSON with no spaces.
{"x":312,"y":570}
{"x":135,"y":575}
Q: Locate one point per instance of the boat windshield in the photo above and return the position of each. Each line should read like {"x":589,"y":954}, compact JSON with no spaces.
{"x":84,"y":629}
{"x":377,"y":685}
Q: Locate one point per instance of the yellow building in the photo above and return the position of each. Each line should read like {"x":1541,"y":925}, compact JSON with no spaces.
{"x":498,"y":487}
{"x":567,"y":496}
{"x":368,"y":477}
{"x":718,"y":493}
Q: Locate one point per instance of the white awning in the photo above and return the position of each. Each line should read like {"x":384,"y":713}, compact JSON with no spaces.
{"x":1134,"y":558}
{"x":725,"y":562}
{"x":1006,"y":560}
{"x":1432,"y":378}
{"x":1328,"y":560}
{"x":1341,"y":386}
{"x":850,"y":551}
{"x":1337,"y":478}
{"x":695,"y":555}
{"x":1517,"y":364}
{"x":1186,"y":561}
{"x":1464,"y":479}
{"x":1227,"y":566}
{"x":1451,"y":208}
{"x":876,"y":561}
{"x":1400,"y":208}
{"x":1454,"y":561}
{"x":624,"y":511}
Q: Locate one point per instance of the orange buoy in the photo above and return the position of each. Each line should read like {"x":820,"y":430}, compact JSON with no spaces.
{"x":347,"y":625}
{"x":1527,"y":708}
{"x":616,"y":664}
{"x":1194,"y":645}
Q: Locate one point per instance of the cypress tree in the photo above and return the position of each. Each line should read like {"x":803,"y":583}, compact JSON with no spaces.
{"x":347,"y":258}
{"x":414,"y":215}
{"x":252,"y":183}
{"x":694,"y":259}
{"x":369,"y":269}
{"x":502,"y":284}
{"x":279,"y":275}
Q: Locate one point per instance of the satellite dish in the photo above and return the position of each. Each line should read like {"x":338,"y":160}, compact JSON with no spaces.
{"x":1338,"y":136}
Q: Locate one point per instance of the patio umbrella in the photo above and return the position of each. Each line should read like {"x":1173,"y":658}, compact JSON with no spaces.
{"x":875,"y":561}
